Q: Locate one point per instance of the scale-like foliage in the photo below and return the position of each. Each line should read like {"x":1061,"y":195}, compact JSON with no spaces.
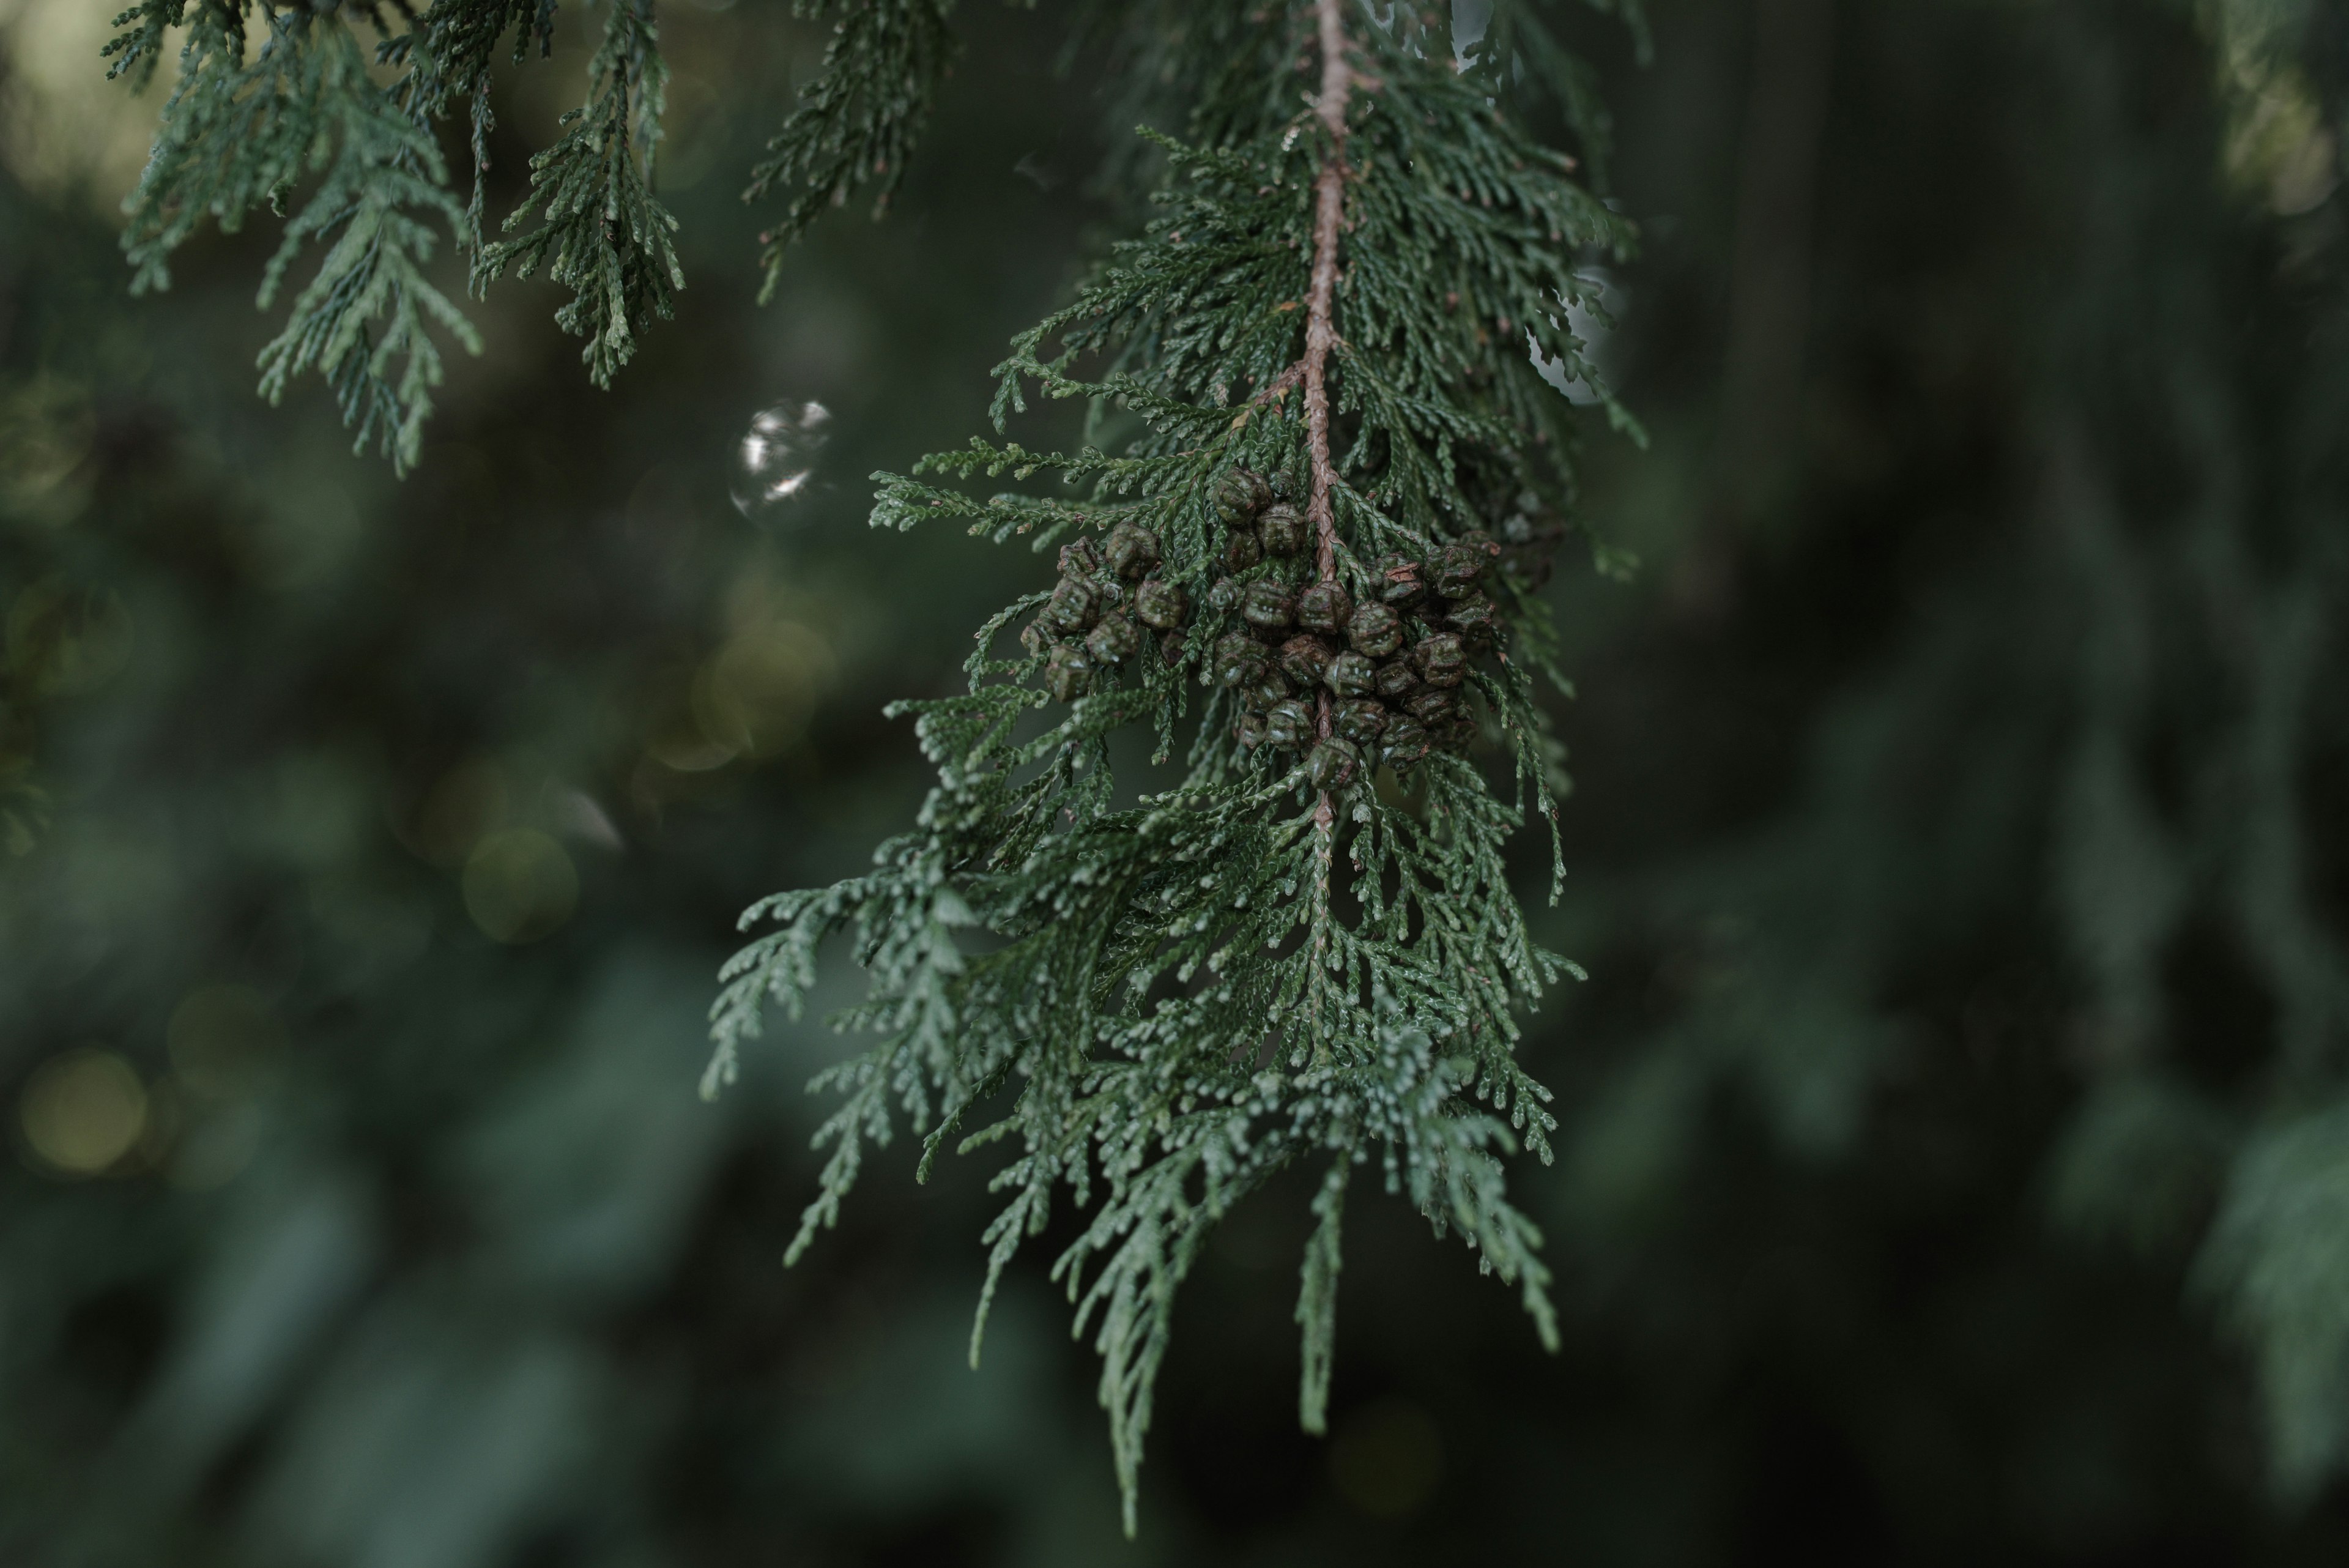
{"x":248,"y":124}
{"x":1292,"y":954}
{"x":241,"y":128}
{"x":604,"y":234}
{"x":859,"y":119}
{"x":1319,"y":414}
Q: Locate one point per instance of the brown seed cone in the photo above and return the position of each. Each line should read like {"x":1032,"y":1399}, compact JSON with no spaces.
{"x":1401,"y":583}
{"x":1375,"y":629}
{"x":1066,"y":672}
{"x":1303,"y":658}
{"x":1361,"y":721}
{"x":1404,"y":742}
{"x":1334,"y":764}
{"x":1284,"y":530}
{"x":1431,"y":705}
{"x":1240,"y":495}
{"x":1238,"y":661}
{"x":1161,"y":605}
{"x":1442,"y":658}
{"x":1351,"y":675}
{"x":1114,"y":641}
{"x":1131,"y":550}
{"x":1476,"y":618}
{"x":1269,"y":605}
{"x":1289,"y":724}
{"x":1075,"y":605}
{"x":1242,"y":550}
{"x":1325,"y":607}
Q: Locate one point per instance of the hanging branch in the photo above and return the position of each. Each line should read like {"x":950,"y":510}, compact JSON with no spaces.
{"x":1172,"y":1003}
{"x":604,"y":234}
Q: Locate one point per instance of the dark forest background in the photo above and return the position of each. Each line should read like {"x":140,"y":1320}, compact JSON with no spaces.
{"x":1959,"y":854}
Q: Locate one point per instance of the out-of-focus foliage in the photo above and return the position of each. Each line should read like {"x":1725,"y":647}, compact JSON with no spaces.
{"x":1951,"y":1163}
{"x":858,"y":121}
{"x":264,"y":101}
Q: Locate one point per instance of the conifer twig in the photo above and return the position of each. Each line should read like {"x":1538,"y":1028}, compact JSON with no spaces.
{"x":1320,"y":301}
{"x":1328,"y":211}
{"x":1281,"y":385}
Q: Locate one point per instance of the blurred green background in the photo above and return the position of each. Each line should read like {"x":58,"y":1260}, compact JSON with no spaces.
{"x":1959,"y":854}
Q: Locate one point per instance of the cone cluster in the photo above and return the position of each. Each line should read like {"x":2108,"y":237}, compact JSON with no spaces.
{"x":1106,"y":605}
{"x":1392,"y":664}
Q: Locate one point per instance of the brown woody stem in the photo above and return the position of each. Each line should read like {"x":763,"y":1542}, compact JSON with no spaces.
{"x":1321,"y":310}
{"x":1321,"y":298}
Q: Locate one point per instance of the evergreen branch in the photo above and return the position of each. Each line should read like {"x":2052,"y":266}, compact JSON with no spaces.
{"x":448,"y":56}
{"x":1321,"y":475}
{"x":603,"y":234}
{"x":1518,"y":53}
{"x":239,"y":133}
{"x":138,"y":46}
{"x":860,"y":118}
{"x":236,"y":133}
{"x":1271,"y":961}
{"x":1317,"y":1298}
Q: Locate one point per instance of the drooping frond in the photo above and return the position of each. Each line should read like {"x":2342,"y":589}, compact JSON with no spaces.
{"x":1325,"y":478}
{"x":859,"y":120}
{"x":250,"y":120}
{"x":601,"y":233}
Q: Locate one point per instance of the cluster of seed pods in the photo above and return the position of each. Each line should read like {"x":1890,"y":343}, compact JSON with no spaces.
{"x":1097,"y":615}
{"x":1391,"y":664}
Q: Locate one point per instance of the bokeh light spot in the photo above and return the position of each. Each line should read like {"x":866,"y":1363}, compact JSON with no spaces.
{"x":221,"y":1038}
{"x":46,"y":431}
{"x":1387,"y":1458}
{"x":520,"y":886}
{"x":680,"y":745}
{"x":83,"y":1110}
{"x":755,"y":695}
{"x":469,"y":800}
{"x":216,"y":1150}
{"x":72,"y":639}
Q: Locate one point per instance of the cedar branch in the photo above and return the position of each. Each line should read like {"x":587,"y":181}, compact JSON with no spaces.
{"x":1321,"y":302}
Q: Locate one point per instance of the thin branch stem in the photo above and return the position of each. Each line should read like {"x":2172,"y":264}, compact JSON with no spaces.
{"x":1320,"y":308}
{"x":1321,"y":298}
{"x":1281,"y":385}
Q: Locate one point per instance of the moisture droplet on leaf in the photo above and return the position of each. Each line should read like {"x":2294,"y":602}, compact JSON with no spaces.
{"x":776,"y":462}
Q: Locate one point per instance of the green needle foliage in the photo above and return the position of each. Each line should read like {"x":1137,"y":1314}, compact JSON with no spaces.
{"x":604,"y":234}
{"x":250,"y":119}
{"x":2062,"y":853}
{"x":1291,"y":955}
{"x":1362,"y":292}
{"x":268,"y":101}
{"x":859,"y":119}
